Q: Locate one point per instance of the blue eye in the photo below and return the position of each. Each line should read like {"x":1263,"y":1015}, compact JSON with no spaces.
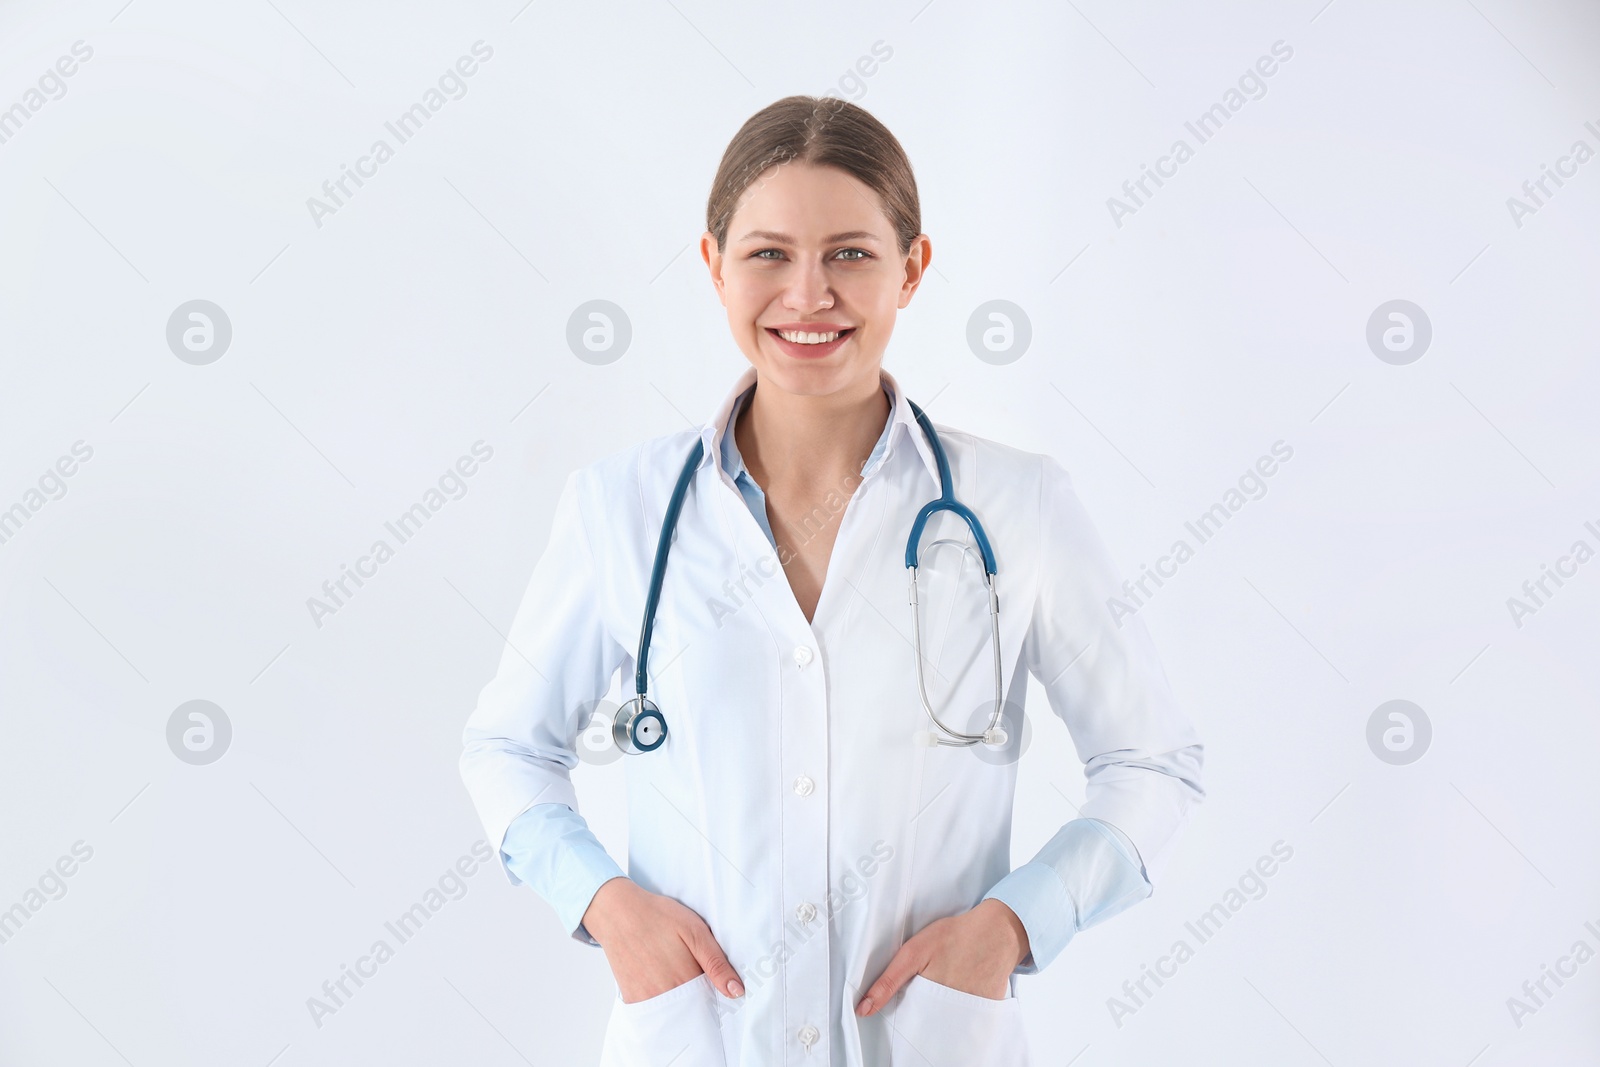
{"x":861,"y":254}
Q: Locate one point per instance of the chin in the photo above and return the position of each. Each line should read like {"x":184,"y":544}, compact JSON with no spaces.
{"x":814,"y":379}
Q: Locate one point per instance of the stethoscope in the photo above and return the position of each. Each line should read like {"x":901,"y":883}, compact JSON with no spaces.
{"x":639,"y":725}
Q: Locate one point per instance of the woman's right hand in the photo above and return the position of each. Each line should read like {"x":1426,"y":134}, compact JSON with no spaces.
{"x":655,"y":943}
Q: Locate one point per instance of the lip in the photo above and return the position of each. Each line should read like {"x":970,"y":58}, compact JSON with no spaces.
{"x":799,"y":351}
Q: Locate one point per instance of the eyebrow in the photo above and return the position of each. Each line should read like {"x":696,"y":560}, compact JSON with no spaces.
{"x":783,"y":238}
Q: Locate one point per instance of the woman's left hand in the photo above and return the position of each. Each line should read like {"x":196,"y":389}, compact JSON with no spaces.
{"x":974,"y":952}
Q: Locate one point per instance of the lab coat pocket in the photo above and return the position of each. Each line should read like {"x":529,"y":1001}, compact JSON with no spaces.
{"x":937,"y":1026}
{"x":678,"y":1027}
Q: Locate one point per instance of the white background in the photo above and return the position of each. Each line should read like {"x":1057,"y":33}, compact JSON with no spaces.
{"x":430,"y":312}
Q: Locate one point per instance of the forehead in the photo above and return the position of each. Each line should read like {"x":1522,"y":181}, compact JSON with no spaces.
{"x":808,"y":202}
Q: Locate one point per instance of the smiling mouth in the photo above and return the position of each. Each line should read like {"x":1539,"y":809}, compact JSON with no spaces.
{"x":802,"y":338}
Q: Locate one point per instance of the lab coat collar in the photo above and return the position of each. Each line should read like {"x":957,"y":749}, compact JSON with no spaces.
{"x":903,"y":423}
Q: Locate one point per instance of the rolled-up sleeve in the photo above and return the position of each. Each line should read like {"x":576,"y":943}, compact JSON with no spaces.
{"x":520,"y":742}
{"x":551,"y":849}
{"x":1141,"y":754}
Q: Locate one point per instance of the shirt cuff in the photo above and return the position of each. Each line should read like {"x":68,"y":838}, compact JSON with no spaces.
{"x":1085,"y":874}
{"x":551,"y":848}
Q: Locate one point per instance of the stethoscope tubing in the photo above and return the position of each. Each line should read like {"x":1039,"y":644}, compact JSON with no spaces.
{"x":640,"y":712}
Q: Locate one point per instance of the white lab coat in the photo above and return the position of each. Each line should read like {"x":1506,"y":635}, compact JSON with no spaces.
{"x":790,"y":807}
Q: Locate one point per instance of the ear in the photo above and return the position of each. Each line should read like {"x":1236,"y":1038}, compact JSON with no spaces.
{"x":713,"y":260}
{"x":918,"y":256}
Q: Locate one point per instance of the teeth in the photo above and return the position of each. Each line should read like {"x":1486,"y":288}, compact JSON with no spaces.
{"x":808,"y":338}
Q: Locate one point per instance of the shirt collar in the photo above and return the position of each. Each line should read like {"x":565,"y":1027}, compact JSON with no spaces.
{"x":902,"y":424}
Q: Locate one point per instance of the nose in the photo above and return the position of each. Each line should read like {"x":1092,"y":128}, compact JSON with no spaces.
{"x":809,"y":289}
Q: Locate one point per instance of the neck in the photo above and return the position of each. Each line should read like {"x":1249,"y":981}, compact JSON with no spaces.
{"x":810,"y":443}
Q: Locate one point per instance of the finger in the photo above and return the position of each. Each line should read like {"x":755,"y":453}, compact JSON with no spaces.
{"x":907,"y":962}
{"x":718,"y":970}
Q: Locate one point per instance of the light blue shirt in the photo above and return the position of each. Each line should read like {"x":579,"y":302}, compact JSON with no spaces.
{"x":1086,"y":873}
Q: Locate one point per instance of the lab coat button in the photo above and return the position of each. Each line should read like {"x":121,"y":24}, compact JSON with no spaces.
{"x":804,"y":785}
{"x":806,"y":912}
{"x":808,"y":1035}
{"x":802,"y":655}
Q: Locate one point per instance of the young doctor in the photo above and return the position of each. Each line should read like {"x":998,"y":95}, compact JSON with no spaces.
{"x":816,"y":873}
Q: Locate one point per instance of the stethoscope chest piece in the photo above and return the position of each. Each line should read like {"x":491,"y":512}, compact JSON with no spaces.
{"x":639,"y":727}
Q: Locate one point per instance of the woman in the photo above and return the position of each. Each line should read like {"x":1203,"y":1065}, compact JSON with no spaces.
{"x":815,"y":874}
